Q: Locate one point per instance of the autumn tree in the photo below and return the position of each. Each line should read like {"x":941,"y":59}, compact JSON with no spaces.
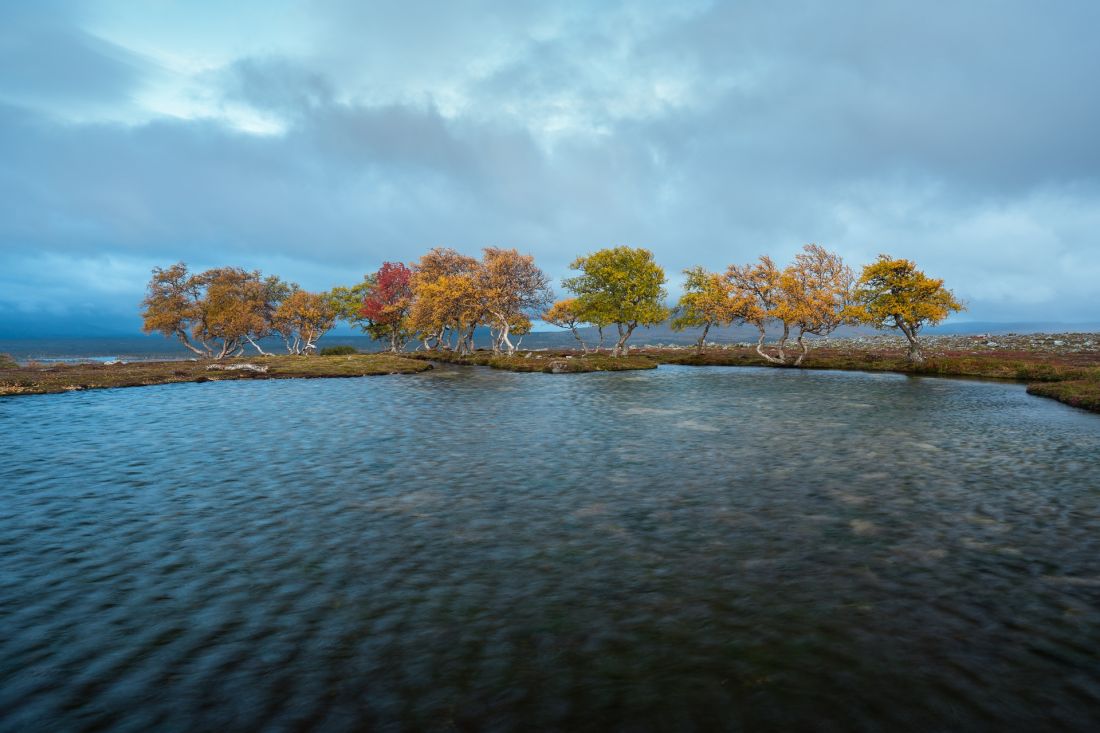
{"x":347,"y":302}
{"x":893,"y":293}
{"x":758,"y":288}
{"x":815,"y":293}
{"x":708,"y":300}
{"x":303,"y":318}
{"x":446,"y":302}
{"x":566,"y":314}
{"x":620,"y":285}
{"x":387,"y":304}
{"x":212,"y":313}
{"x":510,"y":288}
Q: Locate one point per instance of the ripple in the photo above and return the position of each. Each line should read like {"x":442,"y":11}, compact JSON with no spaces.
{"x":772,"y":549}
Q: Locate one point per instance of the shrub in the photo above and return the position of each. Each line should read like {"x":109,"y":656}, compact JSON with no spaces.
{"x":339,"y":351}
{"x":6,"y":362}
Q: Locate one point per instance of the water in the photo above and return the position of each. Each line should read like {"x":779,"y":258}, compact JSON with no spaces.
{"x":675,"y":549}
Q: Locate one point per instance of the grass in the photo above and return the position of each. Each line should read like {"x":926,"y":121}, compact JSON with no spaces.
{"x":543,"y":361}
{"x":1083,"y":393}
{"x":36,"y":379}
{"x":1074,"y":380}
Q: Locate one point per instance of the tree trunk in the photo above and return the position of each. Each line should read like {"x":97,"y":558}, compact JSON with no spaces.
{"x":600,"y":346}
{"x":505,"y":340}
{"x":184,"y":340}
{"x":702,"y":339}
{"x":802,"y":345}
{"x":783,"y":343}
{"x":915,"y":355}
{"x":620,"y":346}
{"x":262,"y":352}
{"x":760,"y":346}
{"x":584,"y":348}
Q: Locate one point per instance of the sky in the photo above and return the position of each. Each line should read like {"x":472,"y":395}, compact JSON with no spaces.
{"x":316,"y":139}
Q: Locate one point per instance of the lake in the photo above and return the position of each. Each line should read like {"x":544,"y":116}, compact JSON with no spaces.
{"x":683,"y":548}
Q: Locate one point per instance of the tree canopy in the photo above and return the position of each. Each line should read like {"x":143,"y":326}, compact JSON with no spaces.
{"x":893,"y":293}
{"x":621,"y":286}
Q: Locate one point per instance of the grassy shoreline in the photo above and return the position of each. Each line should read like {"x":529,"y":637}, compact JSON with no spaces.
{"x":32,"y":379}
{"x":1071,"y":379}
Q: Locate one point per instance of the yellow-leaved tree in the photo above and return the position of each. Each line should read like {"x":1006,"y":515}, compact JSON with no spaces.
{"x":445,"y":299}
{"x":893,"y":293}
{"x":619,"y":285}
{"x":708,"y":300}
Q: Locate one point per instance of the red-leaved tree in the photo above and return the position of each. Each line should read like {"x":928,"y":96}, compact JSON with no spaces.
{"x":386,"y":307}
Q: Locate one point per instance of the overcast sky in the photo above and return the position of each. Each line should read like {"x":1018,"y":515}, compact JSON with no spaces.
{"x":317,"y":139}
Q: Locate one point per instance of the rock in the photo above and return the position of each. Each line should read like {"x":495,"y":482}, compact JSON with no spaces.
{"x":558,"y":366}
{"x":237,"y":368}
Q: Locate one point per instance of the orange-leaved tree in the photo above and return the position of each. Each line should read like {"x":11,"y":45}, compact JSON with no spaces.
{"x":212,"y":313}
{"x":815,"y":294}
{"x":302,"y":318}
{"x":893,"y":293}
{"x":758,"y":286}
{"x":709,"y":299}
{"x":511,"y":288}
{"x":445,"y":300}
{"x":566,"y":314}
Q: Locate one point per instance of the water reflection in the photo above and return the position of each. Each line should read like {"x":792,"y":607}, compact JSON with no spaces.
{"x":473,"y":549}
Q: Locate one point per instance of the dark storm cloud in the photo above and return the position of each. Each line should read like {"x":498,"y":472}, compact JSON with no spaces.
{"x":962,"y":137}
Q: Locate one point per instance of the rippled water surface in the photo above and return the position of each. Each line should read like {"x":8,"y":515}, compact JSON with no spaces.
{"x":676,"y":549}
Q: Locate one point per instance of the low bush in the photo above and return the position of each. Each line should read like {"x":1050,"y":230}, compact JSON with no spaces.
{"x":339,"y":351}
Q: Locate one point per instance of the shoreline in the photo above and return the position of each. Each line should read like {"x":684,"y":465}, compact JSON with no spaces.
{"x":1070,"y":378}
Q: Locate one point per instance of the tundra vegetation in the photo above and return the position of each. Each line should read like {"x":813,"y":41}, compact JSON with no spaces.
{"x":439,"y":301}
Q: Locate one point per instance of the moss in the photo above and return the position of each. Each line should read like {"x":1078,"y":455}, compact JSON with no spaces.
{"x":73,"y":377}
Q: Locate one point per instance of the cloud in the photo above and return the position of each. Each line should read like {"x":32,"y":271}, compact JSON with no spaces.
{"x":711,"y":133}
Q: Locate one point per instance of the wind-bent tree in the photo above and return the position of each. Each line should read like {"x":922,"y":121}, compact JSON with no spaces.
{"x":565,"y":314}
{"x":348,"y":303}
{"x":757,"y":285}
{"x":893,"y":293}
{"x":212,"y":313}
{"x":302,"y":319}
{"x":511,"y":288}
{"x":708,"y":300}
{"x":620,"y":285}
{"x":446,"y":301}
{"x":386,"y":306}
{"x":815,"y":294}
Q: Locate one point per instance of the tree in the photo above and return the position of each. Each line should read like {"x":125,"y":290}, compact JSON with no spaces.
{"x":893,"y":293}
{"x":214,"y":312}
{"x":757,"y":286}
{"x":511,"y":287}
{"x":347,"y":302}
{"x":565,"y":314}
{"x":445,"y":299}
{"x":387,"y":304}
{"x":620,"y":285}
{"x":708,"y":300}
{"x":815,"y":294}
{"x":303,"y":318}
